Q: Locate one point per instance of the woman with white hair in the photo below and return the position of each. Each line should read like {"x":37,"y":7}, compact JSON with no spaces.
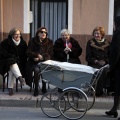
{"x":67,"y":49}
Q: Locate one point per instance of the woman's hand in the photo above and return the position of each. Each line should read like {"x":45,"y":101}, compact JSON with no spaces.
{"x":102,"y":62}
{"x":36,"y":59}
{"x":40,"y":57}
{"x":67,"y":50}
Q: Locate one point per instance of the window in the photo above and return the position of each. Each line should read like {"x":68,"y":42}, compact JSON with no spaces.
{"x":52,"y":14}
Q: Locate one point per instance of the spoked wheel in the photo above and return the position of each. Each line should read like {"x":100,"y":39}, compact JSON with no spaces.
{"x":91,"y":97}
{"x":75,"y":105}
{"x":49,"y":104}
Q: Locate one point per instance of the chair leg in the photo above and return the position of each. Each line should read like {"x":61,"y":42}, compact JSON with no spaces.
{"x":3,"y":83}
{"x":16,"y":85}
{"x":7,"y":78}
{"x":4,"y":79}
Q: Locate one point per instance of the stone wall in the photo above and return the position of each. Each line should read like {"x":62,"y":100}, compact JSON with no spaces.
{"x":82,"y":39}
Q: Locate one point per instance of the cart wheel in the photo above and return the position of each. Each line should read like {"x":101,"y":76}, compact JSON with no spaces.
{"x":75,"y":105}
{"x":90,"y":92}
{"x":91,"y":97}
{"x":49,"y":104}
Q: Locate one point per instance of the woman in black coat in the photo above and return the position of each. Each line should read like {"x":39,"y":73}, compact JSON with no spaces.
{"x":40,"y":48}
{"x":114,"y":63}
{"x":13,"y":57}
{"x":97,"y":55}
{"x":67,"y":49}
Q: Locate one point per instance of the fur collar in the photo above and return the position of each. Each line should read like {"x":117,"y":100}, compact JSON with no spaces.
{"x":93,"y":44}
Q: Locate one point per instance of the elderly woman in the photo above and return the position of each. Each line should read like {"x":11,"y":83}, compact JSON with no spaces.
{"x":97,"y":54}
{"x":67,"y":49}
{"x":13,"y":58}
{"x":40,"y":48}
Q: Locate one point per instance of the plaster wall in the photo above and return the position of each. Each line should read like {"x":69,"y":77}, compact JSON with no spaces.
{"x":87,"y":14}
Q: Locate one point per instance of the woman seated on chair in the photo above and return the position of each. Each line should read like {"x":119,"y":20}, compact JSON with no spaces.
{"x":40,"y":48}
{"x":97,"y":55}
{"x":13,"y":58}
{"x":67,"y":49}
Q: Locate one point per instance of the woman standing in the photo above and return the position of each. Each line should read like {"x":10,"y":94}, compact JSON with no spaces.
{"x":40,"y":48}
{"x":114,"y":63}
{"x":13,"y":58}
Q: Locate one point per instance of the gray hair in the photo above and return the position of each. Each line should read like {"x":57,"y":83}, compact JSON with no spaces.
{"x":13,"y":30}
{"x":65,"y":31}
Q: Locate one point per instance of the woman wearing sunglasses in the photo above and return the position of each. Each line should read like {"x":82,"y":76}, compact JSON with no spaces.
{"x":40,"y":48}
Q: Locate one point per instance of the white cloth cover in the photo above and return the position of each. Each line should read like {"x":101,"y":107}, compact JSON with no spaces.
{"x":71,"y":66}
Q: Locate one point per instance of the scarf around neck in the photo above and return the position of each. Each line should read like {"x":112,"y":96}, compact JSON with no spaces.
{"x":16,"y":42}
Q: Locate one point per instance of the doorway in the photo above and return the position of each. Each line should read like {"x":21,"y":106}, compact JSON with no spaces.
{"x":52,"y":14}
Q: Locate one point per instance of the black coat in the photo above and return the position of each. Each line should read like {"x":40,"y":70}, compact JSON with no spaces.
{"x":35,"y":47}
{"x":10,"y":54}
{"x":60,"y":55}
{"x":114,"y":61}
{"x":97,"y":51}
{"x":115,"y":51}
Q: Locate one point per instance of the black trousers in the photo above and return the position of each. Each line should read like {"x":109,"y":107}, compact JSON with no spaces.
{"x":37,"y":76}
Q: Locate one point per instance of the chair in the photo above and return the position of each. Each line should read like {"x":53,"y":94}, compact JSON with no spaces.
{"x":5,"y":78}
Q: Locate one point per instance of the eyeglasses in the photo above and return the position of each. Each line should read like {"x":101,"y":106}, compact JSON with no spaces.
{"x":43,"y":32}
{"x":17,"y":34}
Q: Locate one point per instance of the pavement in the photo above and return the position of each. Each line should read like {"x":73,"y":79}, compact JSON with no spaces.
{"x":25,"y":98}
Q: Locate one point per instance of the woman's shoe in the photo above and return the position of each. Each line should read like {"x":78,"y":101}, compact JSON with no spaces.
{"x":10,"y":91}
{"x":110,"y":113}
{"x":35,"y":93}
{"x":22,"y":81}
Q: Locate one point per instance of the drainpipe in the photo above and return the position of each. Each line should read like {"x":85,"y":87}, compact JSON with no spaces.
{"x":1,"y":20}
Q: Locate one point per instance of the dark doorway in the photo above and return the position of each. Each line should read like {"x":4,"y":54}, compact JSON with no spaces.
{"x":52,"y":14}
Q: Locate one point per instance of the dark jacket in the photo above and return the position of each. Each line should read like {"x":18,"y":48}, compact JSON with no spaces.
{"x":115,"y":51}
{"x":60,"y":55}
{"x":35,"y":47}
{"x":10,"y":54}
{"x":97,"y":51}
{"x":114,"y":61}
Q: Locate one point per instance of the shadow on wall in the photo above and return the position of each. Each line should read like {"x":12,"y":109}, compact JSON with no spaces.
{"x":82,"y":39}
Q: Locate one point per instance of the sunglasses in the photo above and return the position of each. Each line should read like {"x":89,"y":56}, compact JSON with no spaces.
{"x":43,"y":32}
